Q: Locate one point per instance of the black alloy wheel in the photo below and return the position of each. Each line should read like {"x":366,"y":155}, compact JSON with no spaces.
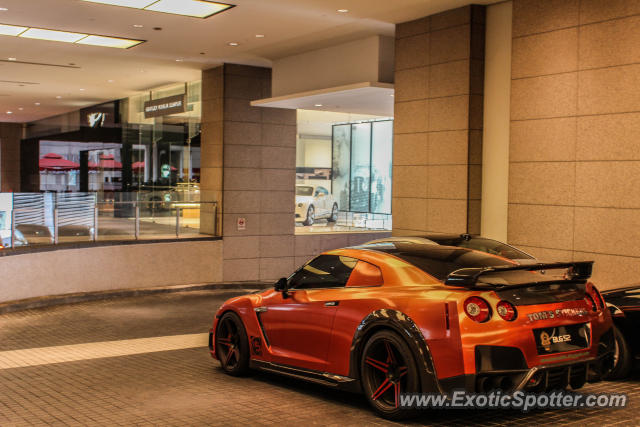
{"x":388,"y":370}
{"x":232,"y":345}
{"x":334,"y":213}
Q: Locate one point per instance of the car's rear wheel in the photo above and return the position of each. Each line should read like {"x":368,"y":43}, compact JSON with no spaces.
{"x":622,"y":360}
{"x":387,"y":370}
{"x":311,"y":216}
{"x":232,"y":345}
{"x":334,"y":213}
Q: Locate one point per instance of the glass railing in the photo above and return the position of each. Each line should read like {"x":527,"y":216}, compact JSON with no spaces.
{"x":31,"y":219}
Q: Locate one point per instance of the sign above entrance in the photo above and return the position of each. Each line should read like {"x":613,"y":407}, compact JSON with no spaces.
{"x":164,"y":106}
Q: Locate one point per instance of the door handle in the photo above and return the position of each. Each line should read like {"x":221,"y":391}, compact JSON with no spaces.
{"x":260,"y":309}
{"x":331,"y":303}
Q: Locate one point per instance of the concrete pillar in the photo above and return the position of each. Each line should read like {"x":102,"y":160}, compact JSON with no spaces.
{"x":437,"y":154}
{"x":248,"y":158}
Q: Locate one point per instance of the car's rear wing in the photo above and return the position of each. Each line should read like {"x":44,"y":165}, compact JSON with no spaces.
{"x":468,"y":277}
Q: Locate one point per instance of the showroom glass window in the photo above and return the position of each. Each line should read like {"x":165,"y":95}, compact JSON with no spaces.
{"x":324,"y":271}
{"x":362,"y":165}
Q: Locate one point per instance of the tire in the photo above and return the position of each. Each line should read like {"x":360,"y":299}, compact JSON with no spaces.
{"x":232,"y":345}
{"x":387,"y":368}
{"x":311,"y":216}
{"x":622,"y":360}
{"x":334,"y":213}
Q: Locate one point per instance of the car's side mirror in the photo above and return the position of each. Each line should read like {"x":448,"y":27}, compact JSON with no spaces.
{"x":282,"y":286}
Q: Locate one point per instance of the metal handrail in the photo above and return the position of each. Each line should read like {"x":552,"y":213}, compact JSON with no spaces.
{"x":179,"y":206}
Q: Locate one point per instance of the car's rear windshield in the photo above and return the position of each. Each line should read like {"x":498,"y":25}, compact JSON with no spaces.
{"x":439,"y":261}
{"x":489,"y":246}
{"x":302,"y":190}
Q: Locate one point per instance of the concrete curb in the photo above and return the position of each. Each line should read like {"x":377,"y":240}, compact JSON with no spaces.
{"x":53,"y":300}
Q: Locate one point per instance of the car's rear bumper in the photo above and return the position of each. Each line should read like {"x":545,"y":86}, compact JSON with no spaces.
{"x":574,"y":372}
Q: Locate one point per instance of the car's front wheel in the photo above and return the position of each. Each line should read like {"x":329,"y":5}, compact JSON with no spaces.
{"x":311,"y":216}
{"x":232,"y":345}
{"x":387,"y":370}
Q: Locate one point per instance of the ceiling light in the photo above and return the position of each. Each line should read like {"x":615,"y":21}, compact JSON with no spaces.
{"x":109,"y":81}
{"x":138,"y":25}
{"x":37,"y":103}
{"x":138,"y":4}
{"x":343,"y":10}
{"x":11,"y":30}
{"x":9,"y":112}
{"x":109,"y":42}
{"x":81,"y":90}
{"x":12,"y":59}
{"x":3,"y":9}
{"x":260,"y":36}
{"x":58,"y":97}
{"x":52,"y":35}
{"x":179,"y":60}
{"x":195,"y":8}
{"x":233,"y":44}
{"x":67,"y":37}
{"x":318,"y":105}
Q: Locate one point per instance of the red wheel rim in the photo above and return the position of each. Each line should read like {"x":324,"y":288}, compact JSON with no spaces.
{"x":385,"y":371}
{"x":227,"y":340}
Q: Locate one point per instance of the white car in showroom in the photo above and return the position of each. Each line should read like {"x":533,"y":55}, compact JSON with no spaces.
{"x":314,"y":202}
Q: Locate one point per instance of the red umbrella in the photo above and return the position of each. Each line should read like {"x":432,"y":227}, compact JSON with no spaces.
{"x":107,"y":161}
{"x":55,"y":162}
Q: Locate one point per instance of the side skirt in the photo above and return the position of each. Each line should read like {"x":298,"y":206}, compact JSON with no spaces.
{"x":322,"y":378}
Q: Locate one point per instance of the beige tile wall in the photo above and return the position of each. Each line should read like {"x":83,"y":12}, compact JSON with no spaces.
{"x":438,"y":122}
{"x":575,"y":153}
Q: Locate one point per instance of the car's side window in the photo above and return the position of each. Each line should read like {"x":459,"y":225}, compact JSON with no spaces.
{"x":324,"y":271}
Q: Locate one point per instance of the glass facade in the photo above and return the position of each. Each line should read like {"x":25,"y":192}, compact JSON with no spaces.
{"x":362,"y":164}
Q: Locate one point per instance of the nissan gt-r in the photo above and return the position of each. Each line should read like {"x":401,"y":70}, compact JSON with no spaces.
{"x":401,"y":317}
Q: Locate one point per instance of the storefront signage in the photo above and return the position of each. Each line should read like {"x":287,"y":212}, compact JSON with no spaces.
{"x":164,"y":106}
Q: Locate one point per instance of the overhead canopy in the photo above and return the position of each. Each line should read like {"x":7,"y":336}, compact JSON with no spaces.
{"x":373,"y":98}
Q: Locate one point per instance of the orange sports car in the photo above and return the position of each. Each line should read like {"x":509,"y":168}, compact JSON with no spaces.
{"x":399,"y":317}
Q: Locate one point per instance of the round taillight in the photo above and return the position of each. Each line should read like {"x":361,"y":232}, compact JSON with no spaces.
{"x":591,"y":304}
{"x":477,"y":309}
{"x":507,"y":311}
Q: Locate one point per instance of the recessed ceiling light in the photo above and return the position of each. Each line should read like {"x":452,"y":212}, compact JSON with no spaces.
{"x":81,"y":90}
{"x":318,"y":105}
{"x":9,"y":112}
{"x":233,"y":44}
{"x":179,"y":60}
{"x":37,"y":103}
{"x":11,"y":30}
{"x":3,"y":9}
{"x":343,"y":10}
{"x":194,"y":8}
{"x":109,"y":42}
{"x":52,"y":35}
{"x":109,"y":81}
{"x":260,"y":36}
{"x":12,"y":59}
{"x":58,"y":97}
{"x":138,"y":25}
{"x":67,"y":37}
